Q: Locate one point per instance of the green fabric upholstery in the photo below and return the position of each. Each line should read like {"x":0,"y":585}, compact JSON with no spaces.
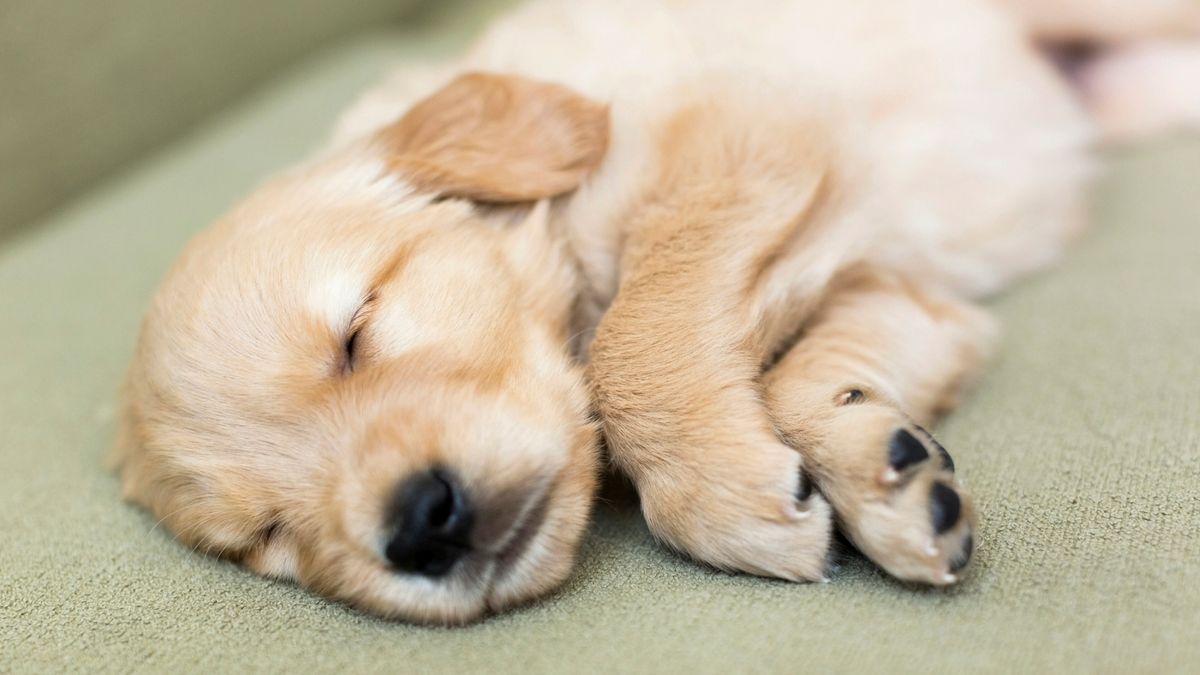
{"x":1081,"y":447}
{"x":90,"y":84}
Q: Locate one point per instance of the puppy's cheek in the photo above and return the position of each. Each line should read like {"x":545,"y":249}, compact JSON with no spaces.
{"x":551,"y":556}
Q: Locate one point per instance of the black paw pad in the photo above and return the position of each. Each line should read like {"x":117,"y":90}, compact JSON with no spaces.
{"x":960,"y":561}
{"x":804,"y":487}
{"x":947,"y":460}
{"x":905,"y":450}
{"x":944,"y":507}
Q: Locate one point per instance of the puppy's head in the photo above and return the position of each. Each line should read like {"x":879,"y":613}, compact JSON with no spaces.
{"x":356,"y":381}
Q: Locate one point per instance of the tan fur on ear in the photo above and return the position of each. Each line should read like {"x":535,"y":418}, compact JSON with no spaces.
{"x":499,"y":138}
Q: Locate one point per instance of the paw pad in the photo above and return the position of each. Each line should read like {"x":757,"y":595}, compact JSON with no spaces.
{"x":944,"y":506}
{"x":905,"y":450}
{"x":960,"y":561}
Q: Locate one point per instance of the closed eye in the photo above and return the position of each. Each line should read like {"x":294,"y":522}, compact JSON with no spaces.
{"x":351,"y":347}
{"x":353,"y":342}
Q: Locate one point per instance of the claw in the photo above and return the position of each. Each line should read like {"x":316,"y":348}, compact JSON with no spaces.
{"x":804,"y":487}
{"x":797,"y":511}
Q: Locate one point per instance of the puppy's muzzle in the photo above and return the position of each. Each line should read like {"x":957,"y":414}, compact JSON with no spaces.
{"x":432,"y":519}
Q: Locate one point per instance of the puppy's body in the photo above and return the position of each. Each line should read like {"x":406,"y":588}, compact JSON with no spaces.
{"x":963,"y":147}
{"x":767,"y":271}
{"x":761,"y":158}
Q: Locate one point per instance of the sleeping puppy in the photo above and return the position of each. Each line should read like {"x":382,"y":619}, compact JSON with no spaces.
{"x":739,"y":242}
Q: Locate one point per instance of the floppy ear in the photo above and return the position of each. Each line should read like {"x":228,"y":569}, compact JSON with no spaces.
{"x":498,"y":138}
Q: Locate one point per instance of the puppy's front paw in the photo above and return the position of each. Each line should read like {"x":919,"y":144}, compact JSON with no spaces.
{"x":900,"y":502}
{"x":754,"y":511}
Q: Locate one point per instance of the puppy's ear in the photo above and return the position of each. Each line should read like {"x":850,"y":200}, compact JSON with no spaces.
{"x":498,"y":138}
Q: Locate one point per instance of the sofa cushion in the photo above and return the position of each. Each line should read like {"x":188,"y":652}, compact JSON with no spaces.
{"x":89,"y":85}
{"x":1082,"y":448}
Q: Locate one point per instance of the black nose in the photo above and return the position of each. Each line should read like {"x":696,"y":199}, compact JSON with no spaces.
{"x":432,"y":522}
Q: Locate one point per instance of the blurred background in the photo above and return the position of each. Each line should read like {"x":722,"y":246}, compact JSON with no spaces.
{"x":91,"y":86}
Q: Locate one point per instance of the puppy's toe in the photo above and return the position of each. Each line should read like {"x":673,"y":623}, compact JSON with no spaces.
{"x":916,"y":522}
{"x":896,"y":497}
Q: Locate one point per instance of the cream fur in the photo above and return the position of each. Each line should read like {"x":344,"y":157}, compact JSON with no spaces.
{"x":767,"y":276}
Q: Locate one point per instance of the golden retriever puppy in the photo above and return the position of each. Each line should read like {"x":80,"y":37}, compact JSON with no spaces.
{"x":738,"y":240}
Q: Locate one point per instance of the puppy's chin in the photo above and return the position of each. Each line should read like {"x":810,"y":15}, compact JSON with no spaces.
{"x":532,"y":559}
{"x":542,"y":553}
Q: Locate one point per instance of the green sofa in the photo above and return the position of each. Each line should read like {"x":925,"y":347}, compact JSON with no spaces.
{"x":1081,"y":446}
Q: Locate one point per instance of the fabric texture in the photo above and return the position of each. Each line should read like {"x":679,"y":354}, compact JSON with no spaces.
{"x":1081,"y":448}
{"x":90,"y":84}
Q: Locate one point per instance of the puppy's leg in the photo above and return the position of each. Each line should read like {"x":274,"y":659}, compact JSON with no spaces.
{"x":1106,"y":21}
{"x":676,"y":360}
{"x":675,"y":383}
{"x":877,"y":361}
{"x":1143,"y":89}
{"x":1136,"y":64}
